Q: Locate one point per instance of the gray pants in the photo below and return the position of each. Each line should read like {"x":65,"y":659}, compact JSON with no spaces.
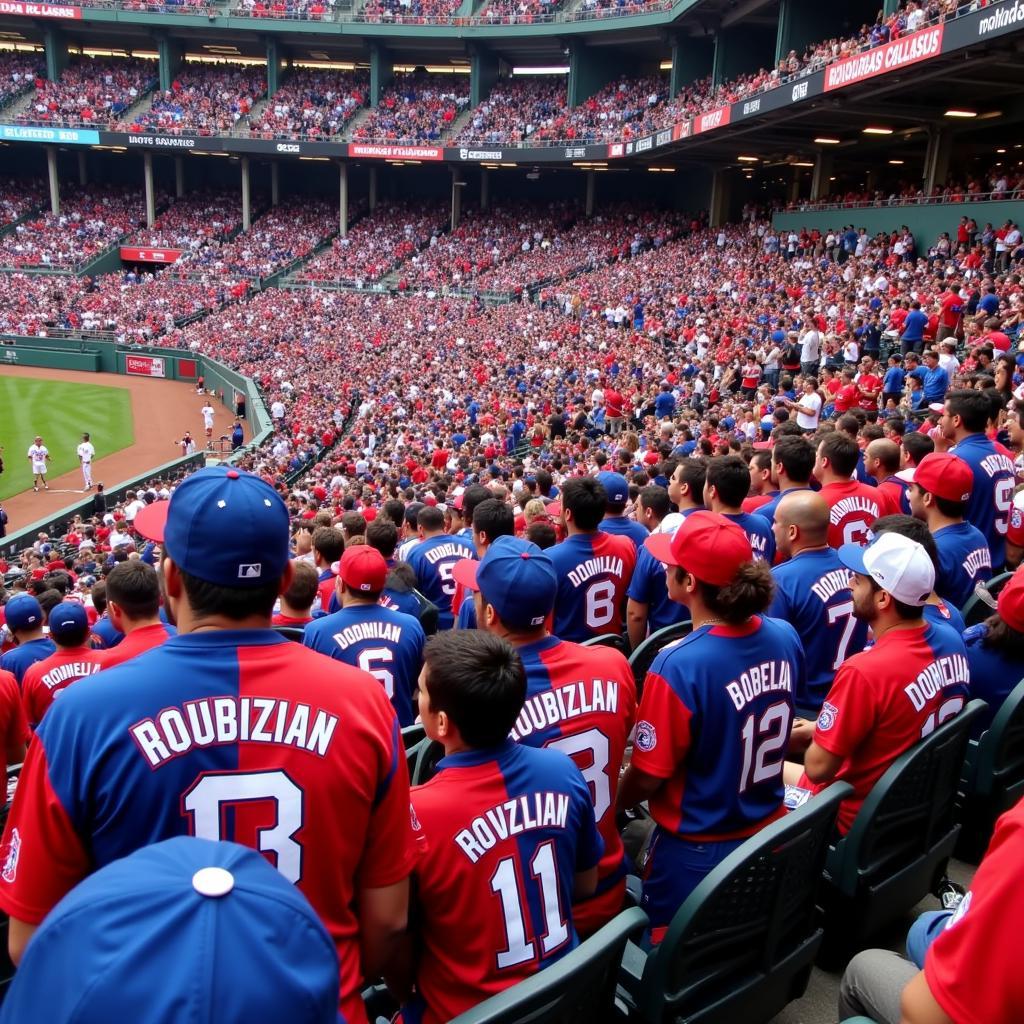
{"x":872,"y":985}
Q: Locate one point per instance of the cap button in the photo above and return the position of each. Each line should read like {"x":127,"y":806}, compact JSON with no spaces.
{"x":232,"y":474}
{"x":213,"y":881}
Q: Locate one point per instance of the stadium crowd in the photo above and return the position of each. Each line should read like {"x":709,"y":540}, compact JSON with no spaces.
{"x":312,"y":105}
{"x":18,"y":72}
{"x":192,"y":222}
{"x":415,"y":107}
{"x":408,"y":11}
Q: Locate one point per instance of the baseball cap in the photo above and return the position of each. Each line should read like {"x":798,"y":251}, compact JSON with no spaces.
{"x":1011,"y":602}
{"x":23,"y":612}
{"x":515,"y":576}
{"x":222,"y":525}
{"x":707,"y":545}
{"x":68,"y":619}
{"x":939,"y":407}
{"x":363,"y":568}
{"x":615,"y":485}
{"x":896,"y":563}
{"x":945,"y":475}
{"x":183,"y":930}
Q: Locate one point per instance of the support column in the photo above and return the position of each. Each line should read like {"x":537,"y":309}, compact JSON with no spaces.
{"x":483,"y":73}
{"x":794,"y":186}
{"x":147,"y":173}
{"x":343,"y":199}
{"x":721,"y":190}
{"x":691,"y":60}
{"x":373,"y":189}
{"x":740,"y":50}
{"x":56,"y":50}
{"x":485,"y":189}
{"x":589,"y":72}
{"x":820,"y":184}
{"x":381,"y":72}
{"x":51,"y":170}
{"x":83,"y":168}
{"x":588,"y":207}
{"x":457,"y":186}
{"x":273,"y":66}
{"x":246,"y":196}
{"x":172,"y":54}
{"x":179,"y":176}
{"x":275,"y":183}
{"x":890,"y":7}
{"x":937,"y":155}
{"x":805,"y":21}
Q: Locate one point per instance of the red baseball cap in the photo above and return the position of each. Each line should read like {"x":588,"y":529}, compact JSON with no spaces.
{"x":945,"y":475}
{"x":1011,"y":602}
{"x":369,"y":514}
{"x":363,"y":568}
{"x":707,"y":545}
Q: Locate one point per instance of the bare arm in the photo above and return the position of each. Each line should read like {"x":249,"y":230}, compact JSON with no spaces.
{"x":636,"y":622}
{"x":383,"y":917}
{"x":585,"y":883}
{"x":918,"y":1005}
{"x":636,"y":787}
{"x":17,"y":938}
{"x":820,"y":765}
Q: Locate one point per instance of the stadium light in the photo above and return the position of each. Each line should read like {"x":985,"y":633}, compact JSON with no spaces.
{"x":878,"y":131}
{"x":896,"y":163}
{"x":824,"y":140}
{"x":961,"y":113}
{"x":748,"y":159}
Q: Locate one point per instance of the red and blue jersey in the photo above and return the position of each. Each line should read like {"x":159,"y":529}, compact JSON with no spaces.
{"x":234,"y":734}
{"x":432,"y":561}
{"x":593,"y":570}
{"x":964,"y":561}
{"x":992,"y":494}
{"x":18,"y":659}
{"x":899,"y":491}
{"x":759,"y":533}
{"x":812,"y":593}
{"x":107,"y":632}
{"x":620,"y":526}
{"x":387,"y":644}
{"x":582,"y":701}
{"x":945,"y":616}
{"x":714,"y":723}
{"x":501,"y":834}
{"x":768,"y":508}
{"x":648,"y":586}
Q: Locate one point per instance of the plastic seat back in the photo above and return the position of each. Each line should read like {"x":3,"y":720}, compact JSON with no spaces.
{"x":620,"y":643}
{"x":293,"y":633}
{"x":643,"y":657}
{"x":976,"y":609}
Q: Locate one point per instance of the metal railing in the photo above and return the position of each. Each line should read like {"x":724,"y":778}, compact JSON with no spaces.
{"x":1010,"y":195}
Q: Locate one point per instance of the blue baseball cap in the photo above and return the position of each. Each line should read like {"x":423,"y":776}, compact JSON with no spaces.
{"x":615,"y":486}
{"x":514,"y":576}
{"x":186,"y":931}
{"x":222,"y":525}
{"x":23,"y":612}
{"x":68,"y":619}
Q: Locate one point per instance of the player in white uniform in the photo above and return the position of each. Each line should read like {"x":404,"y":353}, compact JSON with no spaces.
{"x":38,"y":455}
{"x":86,"y":453}
{"x":207,"y":412}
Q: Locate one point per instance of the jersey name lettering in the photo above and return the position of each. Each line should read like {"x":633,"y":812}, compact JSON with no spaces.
{"x":980,"y":558}
{"x":850,"y":505}
{"x":552,"y":706}
{"x":367,"y":631}
{"x":949,"y":670}
{"x":595,"y":567}
{"x":832,"y":583}
{"x":758,"y":679}
{"x":216,"y":720}
{"x":434,"y":555}
{"x":512,"y":818}
{"x":72,"y":670}
{"x":997,"y":463}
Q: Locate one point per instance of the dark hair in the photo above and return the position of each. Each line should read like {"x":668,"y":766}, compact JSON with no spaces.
{"x":841,"y":452}
{"x":918,"y":445}
{"x":796,"y":456}
{"x":58,"y":580}
{"x":135,"y":586}
{"x":912,"y":529}
{"x":1003,"y":638}
{"x":302,"y":592}
{"x":98,"y":593}
{"x":382,"y":534}
{"x":472,"y":496}
{"x":750,"y":593}
{"x":478,"y":680}
{"x":394,"y":509}
{"x":354,"y":524}
{"x":585,"y":498}
{"x":328,"y":543}
{"x":693,"y":472}
{"x":973,"y":407}
{"x":542,"y":534}
{"x":206,"y":599}
{"x":494,"y":518}
{"x":656,"y":499}
{"x":431,"y":518}
{"x":730,"y":476}
{"x":762,"y":459}
{"x":49,"y":599}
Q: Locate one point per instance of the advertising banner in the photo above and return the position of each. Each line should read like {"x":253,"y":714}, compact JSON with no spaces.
{"x":64,"y":136}
{"x":365,"y":150}
{"x":132,"y":255}
{"x":901,"y":53}
{"x":30,"y":10}
{"x":144,"y":366}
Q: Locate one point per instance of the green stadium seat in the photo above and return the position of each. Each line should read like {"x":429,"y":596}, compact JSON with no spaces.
{"x":620,"y":643}
{"x":292,"y":633}
{"x":743,"y":944}
{"x":641,"y":659}
{"x":412,"y":734}
{"x":900,"y":842}
{"x":976,"y":610}
{"x":993,"y":779}
{"x":578,"y":989}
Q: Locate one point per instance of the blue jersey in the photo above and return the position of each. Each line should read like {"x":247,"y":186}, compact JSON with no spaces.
{"x":812,"y":593}
{"x":768,"y":509}
{"x":622,"y":527}
{"x":714,"y":723}
{"x":992,"y":494}
{"x":107,"y":632}
{"x":648,"y":586}
{"x":466,"y":619}
{"x":964,"y":561}
{"x":432,"y":561}
{"x":18,"y":659}
{"x":387,"y":644}
{"x":994,"y":674}
{"x":759,"y":533}
{"x":946,"y":616}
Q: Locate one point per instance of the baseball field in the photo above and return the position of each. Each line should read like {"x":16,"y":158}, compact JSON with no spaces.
{"x":60,"y":411}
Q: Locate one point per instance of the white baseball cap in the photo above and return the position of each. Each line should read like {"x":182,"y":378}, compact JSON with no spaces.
{"x":897,"y":564}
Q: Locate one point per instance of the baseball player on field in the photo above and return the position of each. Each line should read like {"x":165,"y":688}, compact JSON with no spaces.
{"x":207,"y":411}
{"x":86,"y":453}
{"x":38,"y":456}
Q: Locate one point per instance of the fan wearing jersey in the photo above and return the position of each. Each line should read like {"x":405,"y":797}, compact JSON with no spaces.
{"x":886,"y":698}
{"x":882,"y":462}
{"x":580,"y":700}
{"x":225,"y":731}
{"x":715,"y":714}
{"x":939,"y":496}
{"x":792,"y":467}
{"x":762,"y":490}
{"x":432,"y":560}
{"x":852,"y":506}
{"x":328,"y":545}
{"x":965,"y":417}
{"x":491,"y":519}
{"x":23,"y":616}
{"x":593,"y":568}
{"x":133,"y":604}
{"x":14,"y":730}
{"x":399,"y":594}
{"x":385,"y":643}
{"x":726,"y":485}
{"x":505,"y":833}
{"x":812,"y":593}
{"x":615,"y":522}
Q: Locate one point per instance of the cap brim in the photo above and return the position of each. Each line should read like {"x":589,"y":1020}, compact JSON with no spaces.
{"x":554,"y":509}
{"x":151,"y":521}
{"x":906,"y":475}
{"x":936,"y":407}
{"x":464,"y":572}
{"x":852,"y":556}
{"x":660,"y":545}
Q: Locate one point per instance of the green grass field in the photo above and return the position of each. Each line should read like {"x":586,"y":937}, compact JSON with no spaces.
{"x":60,"y":411}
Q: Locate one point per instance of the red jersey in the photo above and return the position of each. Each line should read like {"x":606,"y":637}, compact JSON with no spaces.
{"x":884,"y":700}
{"x":873,"y":385}
{"x":753,"y":503}
{"x":501,"y":834}
{"x":137,"y":642}
{"x":952,"y":307}
{"x":277,"y":619}
{"x":44,"y":680}
{"x":853,"y":507}
{"x":846,"y":397}
{"x":14,"y":731}
{"x":325,"y":588}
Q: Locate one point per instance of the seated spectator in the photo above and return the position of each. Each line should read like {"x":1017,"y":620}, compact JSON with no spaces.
{"x":313,"y":105}
{"x":415,"y":108}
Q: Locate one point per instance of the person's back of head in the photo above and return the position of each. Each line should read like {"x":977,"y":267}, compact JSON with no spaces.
{"x":133,"y":594}
{"x":328,"y":545}
{"x":795,"y":456}
{"x":394,"y":509}
{"x":916,"y":446}
{"x":492,"y":519}
{"x":727,"y":483}
{"x":584,"y":500}
{"x":353,"y":524}
{"x":430,"y":520}
{"x":299,"y":597}
{"x":382,"y":534}
{"x":69,"y":625}
{"x":837,"y":457}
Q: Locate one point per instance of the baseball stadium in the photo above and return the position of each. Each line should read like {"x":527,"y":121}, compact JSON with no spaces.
{"x":609,"y":410}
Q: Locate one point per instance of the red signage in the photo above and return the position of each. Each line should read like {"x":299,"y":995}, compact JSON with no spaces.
{"x":144,"y":366}
{"x":40,"y":10}
{"x":712,"y":119}
{"x":396,"y":152}
{"x":900,"y":53}
{"x":681,"y":131}
{"x":616,"y":149}
{"x":132,"y":255}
